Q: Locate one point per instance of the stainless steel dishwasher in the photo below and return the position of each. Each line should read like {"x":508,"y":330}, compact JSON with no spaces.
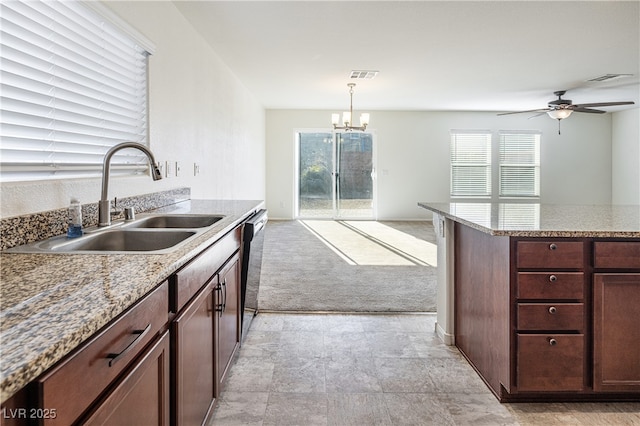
{"x":252,"y":243}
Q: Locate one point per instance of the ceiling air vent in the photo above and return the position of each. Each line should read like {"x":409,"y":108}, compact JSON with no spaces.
{"x":363,"y":74}
{"x":609,"y":77}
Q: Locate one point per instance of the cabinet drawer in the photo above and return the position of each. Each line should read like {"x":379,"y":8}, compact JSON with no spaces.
{"x":549,"y":285}
{"x":190,"y":279}
{"x":550,"y":254}
{"x":619,"y":254}
{"x":141,"y":397}
{"x":550,"y":362}
{"x":77,"y":381}
{"x":550,"y":316}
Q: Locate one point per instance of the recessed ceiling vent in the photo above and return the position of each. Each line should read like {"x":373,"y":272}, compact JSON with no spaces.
{"x":609,"y":77}
{"x":363,"y":74}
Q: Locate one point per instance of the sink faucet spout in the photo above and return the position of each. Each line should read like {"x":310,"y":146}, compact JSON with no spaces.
{"x":104,"y":206}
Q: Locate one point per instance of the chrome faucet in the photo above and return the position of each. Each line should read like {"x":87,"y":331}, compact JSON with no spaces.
{"x":104,"y":206}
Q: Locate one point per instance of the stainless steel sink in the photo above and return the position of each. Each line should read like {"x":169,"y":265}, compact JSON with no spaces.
{"x":184,"y":221}
{"x":154,"y":233}
{"x":125,"y":240}
{"x":110,"y":241}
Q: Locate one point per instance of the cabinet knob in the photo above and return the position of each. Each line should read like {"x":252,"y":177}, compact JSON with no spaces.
{"x":553,"y":342}
{"x":552,"y":246}
{"x":552,"y":310}
{"x":553,"y":278}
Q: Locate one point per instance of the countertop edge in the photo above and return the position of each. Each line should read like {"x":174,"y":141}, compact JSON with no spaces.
{"x":545,"y":233}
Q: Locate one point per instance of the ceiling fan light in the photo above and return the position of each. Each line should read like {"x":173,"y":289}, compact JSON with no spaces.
{"x":559,"y":114}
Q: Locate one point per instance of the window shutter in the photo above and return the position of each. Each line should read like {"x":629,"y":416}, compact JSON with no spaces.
{"x":72,"y":86}
{"x":470,"y":164}
{"x":519,"y":164}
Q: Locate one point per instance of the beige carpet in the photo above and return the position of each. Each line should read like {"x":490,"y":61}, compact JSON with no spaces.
{"x":348,"y":266}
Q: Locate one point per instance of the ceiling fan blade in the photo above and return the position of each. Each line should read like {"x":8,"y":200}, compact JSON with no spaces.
{"x":602,"y":104}
{"x":589,"y":110}
{"x":540,"y":110}
{"x":537,"y":115}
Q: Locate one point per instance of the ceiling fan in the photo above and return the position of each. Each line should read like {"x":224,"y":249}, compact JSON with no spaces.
{"x":562,"y":108}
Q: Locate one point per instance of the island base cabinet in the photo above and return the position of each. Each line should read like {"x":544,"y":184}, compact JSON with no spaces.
{"x":616,"y":300}
{"x":548,"y":362}
{"x":142,"y":396}
{"x":193,"y":360}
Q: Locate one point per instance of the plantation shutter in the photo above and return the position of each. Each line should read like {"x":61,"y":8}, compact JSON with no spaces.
{"x":73,"y":84}
{"x":470,"y":164}
{"x":519,"y":164}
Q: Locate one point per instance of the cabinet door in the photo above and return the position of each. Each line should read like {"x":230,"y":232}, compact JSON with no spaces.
{"x":193,"y":358}
{"x":142,"y":396}
{"x":616,"y":303}
{"x":227,"y":305}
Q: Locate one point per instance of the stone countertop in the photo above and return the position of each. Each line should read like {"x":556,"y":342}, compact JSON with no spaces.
{"x":50,"y":303}
{"x":544,"y":220}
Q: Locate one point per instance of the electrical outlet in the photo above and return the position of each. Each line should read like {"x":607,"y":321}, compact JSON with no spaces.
{"x":178,"y":168}
{"x":196,"y":169}
{"x":160,"y":166}
{"x":169,"y":169}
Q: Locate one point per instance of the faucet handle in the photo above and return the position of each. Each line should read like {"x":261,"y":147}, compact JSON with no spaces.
{"x":129,"y":213}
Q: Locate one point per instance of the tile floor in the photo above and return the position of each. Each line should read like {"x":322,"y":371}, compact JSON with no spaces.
{"x":316,"y":369}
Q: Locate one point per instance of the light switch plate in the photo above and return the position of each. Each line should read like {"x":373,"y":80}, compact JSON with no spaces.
{"x":169,"y":169}
{"x":178,"y":168}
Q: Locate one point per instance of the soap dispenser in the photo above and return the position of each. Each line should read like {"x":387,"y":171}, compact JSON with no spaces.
{"x":75,"y":219}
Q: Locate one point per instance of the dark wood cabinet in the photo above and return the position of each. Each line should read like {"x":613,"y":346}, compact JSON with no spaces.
{"x":74,"y":385}
{"x":616,"y":332}
{"x":193,"y":359}
{"x":545,"y":319}
{"x":205,"y":331}
{"x":228,"y":308}
{"x":141,"y":397}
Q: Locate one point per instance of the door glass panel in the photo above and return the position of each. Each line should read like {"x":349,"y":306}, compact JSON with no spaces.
{"x":315,"y":179}
{"x":355,"y":184}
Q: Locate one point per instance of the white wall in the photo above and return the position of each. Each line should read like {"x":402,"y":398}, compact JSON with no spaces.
{"x":199,"y":112}
{"x":626,"y":157}
{"x":413,"y":149}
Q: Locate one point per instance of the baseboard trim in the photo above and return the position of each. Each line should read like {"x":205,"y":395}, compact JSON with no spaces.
{"x":447,"y":338}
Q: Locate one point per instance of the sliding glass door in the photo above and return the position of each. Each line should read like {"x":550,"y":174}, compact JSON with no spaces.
{"x":336,"y":175}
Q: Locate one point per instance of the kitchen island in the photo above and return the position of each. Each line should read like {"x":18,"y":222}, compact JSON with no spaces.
{"x":542,"y":300}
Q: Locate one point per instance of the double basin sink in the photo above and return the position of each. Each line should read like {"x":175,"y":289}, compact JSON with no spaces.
{"x":155,"y":233}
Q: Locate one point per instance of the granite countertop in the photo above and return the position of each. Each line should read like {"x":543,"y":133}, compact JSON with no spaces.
{"x":53,"y":302}
{"x":544,"y":220}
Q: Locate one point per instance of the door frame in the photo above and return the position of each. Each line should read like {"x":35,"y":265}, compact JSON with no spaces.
{"x":296,"y":175}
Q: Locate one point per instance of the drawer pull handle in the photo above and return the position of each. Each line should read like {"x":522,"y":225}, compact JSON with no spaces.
{"x":552,"y":310}
{"x":553,"y":278}
{"x":552,"y":246}
{"x":553,"y":342}
{"x":141,"y":333}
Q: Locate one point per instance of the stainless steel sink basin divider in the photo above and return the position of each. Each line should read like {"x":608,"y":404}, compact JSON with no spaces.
{"x":155,"y":233}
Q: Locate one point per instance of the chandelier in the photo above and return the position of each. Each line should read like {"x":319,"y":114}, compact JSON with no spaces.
{"x":346,"y":116}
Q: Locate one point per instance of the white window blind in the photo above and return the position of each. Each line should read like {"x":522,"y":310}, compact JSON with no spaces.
{"x":72,"y":86}
{"x":519,"y":164}
{"x":470,"y":164}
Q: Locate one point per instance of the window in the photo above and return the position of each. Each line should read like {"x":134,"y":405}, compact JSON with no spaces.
{"x":519,"y":164}
{"x":470,"y":164}
{"x":73,"y":85}
{"x":516,"y":167}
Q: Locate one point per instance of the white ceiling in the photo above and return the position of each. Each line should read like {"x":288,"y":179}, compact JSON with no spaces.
{"x":432,"y":55}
